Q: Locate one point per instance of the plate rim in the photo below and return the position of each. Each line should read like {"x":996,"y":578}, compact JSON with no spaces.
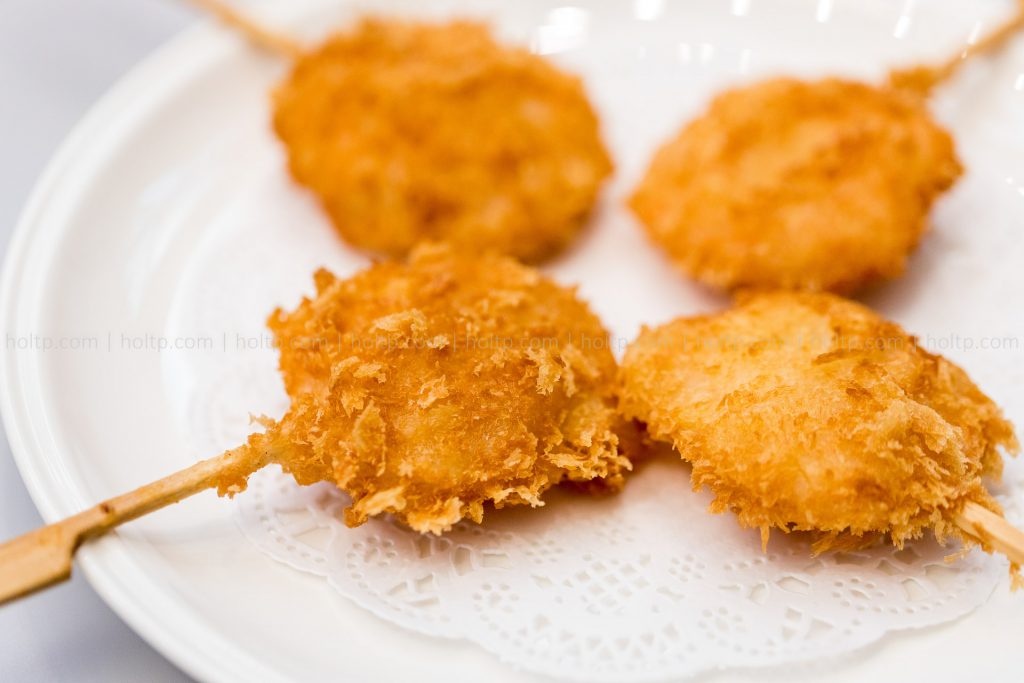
{"x":199,"y":651}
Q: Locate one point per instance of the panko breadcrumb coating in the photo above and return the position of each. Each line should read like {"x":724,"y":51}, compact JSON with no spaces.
{"x":409,"y":132}
{"x":787,"y":184}
{"x":809,"y":412}
{"x":426,"y":389}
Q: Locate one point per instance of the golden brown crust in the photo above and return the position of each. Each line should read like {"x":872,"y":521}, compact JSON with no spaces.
{"x":809,"y":412}
{"x":795,"y":185}
{"x":430,"y":388}
{"x":409,"y":132}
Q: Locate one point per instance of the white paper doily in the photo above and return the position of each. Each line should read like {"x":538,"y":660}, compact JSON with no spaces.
{"x":643,"y":586}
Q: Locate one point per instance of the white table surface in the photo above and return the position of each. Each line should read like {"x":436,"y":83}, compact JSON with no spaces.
{"x":57,"y":57}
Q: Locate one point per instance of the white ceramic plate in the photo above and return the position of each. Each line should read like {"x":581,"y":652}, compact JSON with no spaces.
{"x":175,"y":175}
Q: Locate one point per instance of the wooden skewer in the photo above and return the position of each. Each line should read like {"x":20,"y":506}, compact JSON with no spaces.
{"x":923,"y":79}
{"x":990,"y":43}
{"x":257,"y":34}
{"x":42,"y":558}
{"x":992,"y":531}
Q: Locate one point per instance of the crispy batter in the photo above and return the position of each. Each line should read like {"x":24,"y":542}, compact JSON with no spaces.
{"x":409,"y":132}
{"x":809,"y":412}
{"x":795,"y":185}
{"x":430,"y":388}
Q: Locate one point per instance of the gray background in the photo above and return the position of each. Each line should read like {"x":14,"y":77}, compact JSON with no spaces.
{"x":57,"y":57}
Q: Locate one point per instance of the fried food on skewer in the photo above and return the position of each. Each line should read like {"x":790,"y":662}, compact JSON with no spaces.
{"x":423,"y":389}
{"x":808,"y":412}
{"x":409,"y":131}
{"x":426,"y":389}
{"x":823,"y":185}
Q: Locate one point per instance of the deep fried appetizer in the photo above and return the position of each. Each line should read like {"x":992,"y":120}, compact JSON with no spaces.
{"x":427,"y":389}
{"x":409,"y":132}
{"x":808,"y":412}
{"x":793,"y":185}
{"x":796,"y":185}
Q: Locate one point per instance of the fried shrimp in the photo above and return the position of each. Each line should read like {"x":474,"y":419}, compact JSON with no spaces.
{"x":808,"y":412}
{"x":429,"y":388}
{"x":789,"y":184}
{"x":409,"y":131}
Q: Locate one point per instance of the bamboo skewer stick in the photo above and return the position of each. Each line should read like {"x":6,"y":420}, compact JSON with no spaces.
{"x":254,"y":32}
{"x":43,"y":557}
{"x":925,"y":78}
{"x":990,"y":43}
{"x":992,"y":531}
{"x":919,"y":78}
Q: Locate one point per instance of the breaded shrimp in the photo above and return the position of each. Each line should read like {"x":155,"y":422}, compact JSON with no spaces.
{"x":809,"y":412}
{"x":429,"y":388}
{"x":798,"y":185}
{"x":409,"y":131}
